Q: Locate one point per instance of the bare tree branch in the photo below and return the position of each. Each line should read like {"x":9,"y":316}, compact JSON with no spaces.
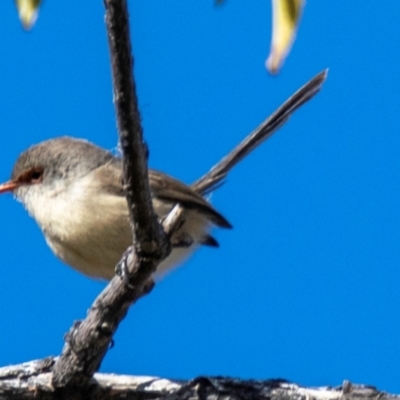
{"x":32,"y":380}
{"x":149,"y":237}
{"x":88,"y":340}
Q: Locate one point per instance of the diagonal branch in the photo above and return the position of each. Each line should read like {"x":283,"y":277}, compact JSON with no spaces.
{"x":88,"y":340}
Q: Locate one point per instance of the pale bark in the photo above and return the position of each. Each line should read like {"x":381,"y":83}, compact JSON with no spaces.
{"x":32,"y":380}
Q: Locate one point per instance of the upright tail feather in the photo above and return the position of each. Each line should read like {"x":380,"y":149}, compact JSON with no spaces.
{"x":219,"y":171}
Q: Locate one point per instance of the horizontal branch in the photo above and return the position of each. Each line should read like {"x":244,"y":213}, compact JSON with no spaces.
{"x":32,"y":380}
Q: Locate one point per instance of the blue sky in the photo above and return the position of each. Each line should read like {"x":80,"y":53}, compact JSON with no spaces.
{"x":306,"y":286}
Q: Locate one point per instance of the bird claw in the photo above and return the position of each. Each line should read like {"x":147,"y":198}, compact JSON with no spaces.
{"x":183,"y":241}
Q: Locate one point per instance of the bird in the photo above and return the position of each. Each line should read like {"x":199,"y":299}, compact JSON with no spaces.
{"x":74,"y":190}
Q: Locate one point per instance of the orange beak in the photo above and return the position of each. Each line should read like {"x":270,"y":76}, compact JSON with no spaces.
{"x":8,"y":187}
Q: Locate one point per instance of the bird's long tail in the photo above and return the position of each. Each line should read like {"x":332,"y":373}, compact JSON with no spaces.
{"x":219,"y":171}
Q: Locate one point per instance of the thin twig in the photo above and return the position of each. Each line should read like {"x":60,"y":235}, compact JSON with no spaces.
{"x":149,"y":237}
{"x":88,"y":341}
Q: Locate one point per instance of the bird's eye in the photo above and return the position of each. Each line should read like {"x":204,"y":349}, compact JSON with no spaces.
{"x":33,"y":175}
{"x":36,"y":175}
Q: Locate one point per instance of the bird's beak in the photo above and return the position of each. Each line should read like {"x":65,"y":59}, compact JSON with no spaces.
{"x":8,"y":186}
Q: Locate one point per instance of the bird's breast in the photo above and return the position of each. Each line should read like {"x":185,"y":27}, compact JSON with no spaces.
{"x":89,"y":229}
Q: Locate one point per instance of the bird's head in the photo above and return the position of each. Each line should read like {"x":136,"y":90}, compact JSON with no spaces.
{"x":53,"y":165}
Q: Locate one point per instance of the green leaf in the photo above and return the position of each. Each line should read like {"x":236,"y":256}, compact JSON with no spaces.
{"x":285,"y":20}
{"x":28,"y":12}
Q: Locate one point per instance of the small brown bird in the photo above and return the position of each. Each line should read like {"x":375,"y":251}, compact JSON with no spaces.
{"x":73,"y":189}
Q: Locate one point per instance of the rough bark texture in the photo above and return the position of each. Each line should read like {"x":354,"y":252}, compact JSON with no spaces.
{"x":88,"y":340}
{"x":32,"y":380}
{"x":150,"y":238}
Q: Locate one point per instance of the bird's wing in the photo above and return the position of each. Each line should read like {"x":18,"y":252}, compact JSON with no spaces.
{"x":110,"y":176}
{"x":163,"y":187}
{"x":169,"y":189}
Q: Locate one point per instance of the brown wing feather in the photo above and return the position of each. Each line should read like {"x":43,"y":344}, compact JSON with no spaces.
{"x":166,"y":188}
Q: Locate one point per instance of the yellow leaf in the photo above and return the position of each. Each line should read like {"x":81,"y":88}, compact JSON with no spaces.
{"x":285,"y":19}
{"x":28,"y":12}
